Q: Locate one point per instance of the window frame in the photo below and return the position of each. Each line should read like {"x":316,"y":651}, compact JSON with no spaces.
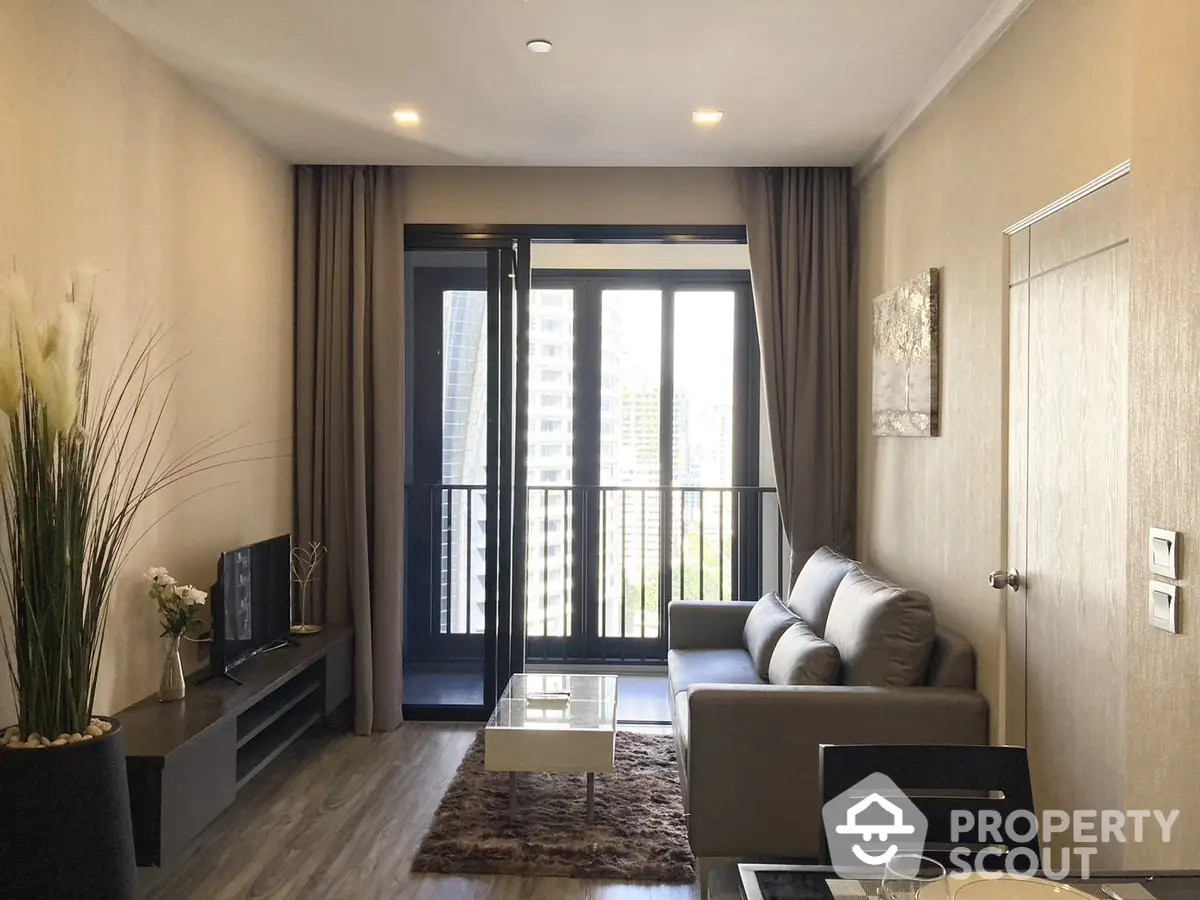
{"x":587,"y":286}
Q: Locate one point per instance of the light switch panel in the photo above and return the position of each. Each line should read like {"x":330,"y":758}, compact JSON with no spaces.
{"x":1164,"y":553}
{"x":1164,"y":606}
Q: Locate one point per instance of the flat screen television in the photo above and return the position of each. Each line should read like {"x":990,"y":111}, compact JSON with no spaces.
{"x":251,"y":601}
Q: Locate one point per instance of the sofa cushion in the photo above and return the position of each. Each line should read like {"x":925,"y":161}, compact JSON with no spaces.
{"x":883,"y":632}
{"x":951,"y":662}
{"x":812,"y":594}
{"x":801,"y":657}
{"x":766,"y":623}
{"x":688,"y":667}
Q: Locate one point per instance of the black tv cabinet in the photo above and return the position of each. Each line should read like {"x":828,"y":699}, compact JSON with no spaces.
{"x":187,"y":760}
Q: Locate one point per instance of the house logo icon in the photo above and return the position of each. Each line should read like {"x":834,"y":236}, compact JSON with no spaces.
{"x":869,"y":824}
{"x":881,"y":831}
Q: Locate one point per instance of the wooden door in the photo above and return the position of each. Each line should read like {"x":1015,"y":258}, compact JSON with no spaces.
{"x":1068,"y":349}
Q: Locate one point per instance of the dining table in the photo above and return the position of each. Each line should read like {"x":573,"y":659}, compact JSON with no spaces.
{"x":775,"y":881}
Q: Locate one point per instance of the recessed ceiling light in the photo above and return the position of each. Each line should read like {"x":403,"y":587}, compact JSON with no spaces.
{"x":706,"y":117}
{"x":406,"y":116}
{"x":539,"y":45}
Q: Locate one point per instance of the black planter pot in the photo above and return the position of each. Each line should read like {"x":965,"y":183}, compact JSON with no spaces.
{"x":65,"y":828}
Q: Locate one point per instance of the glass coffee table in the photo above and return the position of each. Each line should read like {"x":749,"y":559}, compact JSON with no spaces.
{"x":553,"y":723}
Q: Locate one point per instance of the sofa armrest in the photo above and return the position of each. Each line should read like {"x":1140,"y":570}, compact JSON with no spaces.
{"x":706,"y":624}
{"x":753,"y":754}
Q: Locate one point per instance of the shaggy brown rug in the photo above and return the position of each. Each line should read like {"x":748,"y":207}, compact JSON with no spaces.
{"x":639,"y":832}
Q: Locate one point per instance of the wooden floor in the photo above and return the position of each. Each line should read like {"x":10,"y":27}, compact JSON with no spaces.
{"x":340,"y":817}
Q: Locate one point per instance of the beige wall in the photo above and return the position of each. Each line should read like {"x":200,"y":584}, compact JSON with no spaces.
{"x":572,"y":196}
{"x":1074,"y":88}
{"x":108,"y":160}
{"x":1163,"y":693}
{"x":1047,"y":110}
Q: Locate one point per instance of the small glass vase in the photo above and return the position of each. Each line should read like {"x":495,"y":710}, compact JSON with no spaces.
{"x":172,"y":686}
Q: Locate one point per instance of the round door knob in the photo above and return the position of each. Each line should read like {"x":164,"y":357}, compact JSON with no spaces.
{"x":1000,"y":579}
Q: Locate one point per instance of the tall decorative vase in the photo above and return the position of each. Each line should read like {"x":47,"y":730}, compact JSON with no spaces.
{"x":172,"y":686}
{"x":66,"y":830}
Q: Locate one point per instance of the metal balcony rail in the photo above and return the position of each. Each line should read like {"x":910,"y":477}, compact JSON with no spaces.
{"x":601,"y":559}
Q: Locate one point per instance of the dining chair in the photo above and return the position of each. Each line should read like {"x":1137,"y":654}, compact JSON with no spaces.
{"x":940,"y":779}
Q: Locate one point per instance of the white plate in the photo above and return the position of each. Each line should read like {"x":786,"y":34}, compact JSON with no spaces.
{"x":1010,"y":887}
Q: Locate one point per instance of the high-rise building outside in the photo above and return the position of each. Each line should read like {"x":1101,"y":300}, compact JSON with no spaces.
{"x":629,"y":501}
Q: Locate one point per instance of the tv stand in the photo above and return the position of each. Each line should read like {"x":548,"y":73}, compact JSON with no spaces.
{"x":187,"y":760}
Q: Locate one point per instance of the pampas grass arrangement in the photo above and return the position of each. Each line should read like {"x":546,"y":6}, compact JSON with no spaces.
{"x":77,"y":464}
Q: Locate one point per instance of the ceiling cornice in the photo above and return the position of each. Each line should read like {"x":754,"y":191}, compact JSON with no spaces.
{"x":994,"y":22}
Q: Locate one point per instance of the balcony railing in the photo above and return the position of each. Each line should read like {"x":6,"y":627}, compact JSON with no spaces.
{"x":602,"y":562}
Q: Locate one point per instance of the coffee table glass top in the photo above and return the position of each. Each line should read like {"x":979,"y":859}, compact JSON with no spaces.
{"x":538,"y":702}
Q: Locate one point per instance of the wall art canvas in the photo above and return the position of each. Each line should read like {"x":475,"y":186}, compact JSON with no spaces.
{"x":904,"y":359}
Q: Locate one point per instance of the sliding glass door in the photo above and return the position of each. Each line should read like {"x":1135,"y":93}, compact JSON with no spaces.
{"x":582,"y":449}
{"x":464,"y":491}
{"x":641,"y":440}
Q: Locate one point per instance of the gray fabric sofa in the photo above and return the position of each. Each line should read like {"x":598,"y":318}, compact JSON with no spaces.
{"x":748,"y":749}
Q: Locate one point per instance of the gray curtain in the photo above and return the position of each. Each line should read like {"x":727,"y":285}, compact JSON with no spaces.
{"x":798,"y":225}
{"x":349,"y":415}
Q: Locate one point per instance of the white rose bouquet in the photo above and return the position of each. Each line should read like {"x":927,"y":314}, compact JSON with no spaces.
{"x":178,"y":604}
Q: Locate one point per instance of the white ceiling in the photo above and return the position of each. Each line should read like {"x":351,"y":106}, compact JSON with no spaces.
{"x":801,"y":82}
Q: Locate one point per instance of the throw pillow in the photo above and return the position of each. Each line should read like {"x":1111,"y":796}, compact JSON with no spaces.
{"x":812,"y":594}
{"x":801,"y":657}
{"x":766,"y":623}
{"x":883,"y":632}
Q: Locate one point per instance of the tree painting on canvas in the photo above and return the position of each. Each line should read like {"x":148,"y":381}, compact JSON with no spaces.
{"x":904,"y":359}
